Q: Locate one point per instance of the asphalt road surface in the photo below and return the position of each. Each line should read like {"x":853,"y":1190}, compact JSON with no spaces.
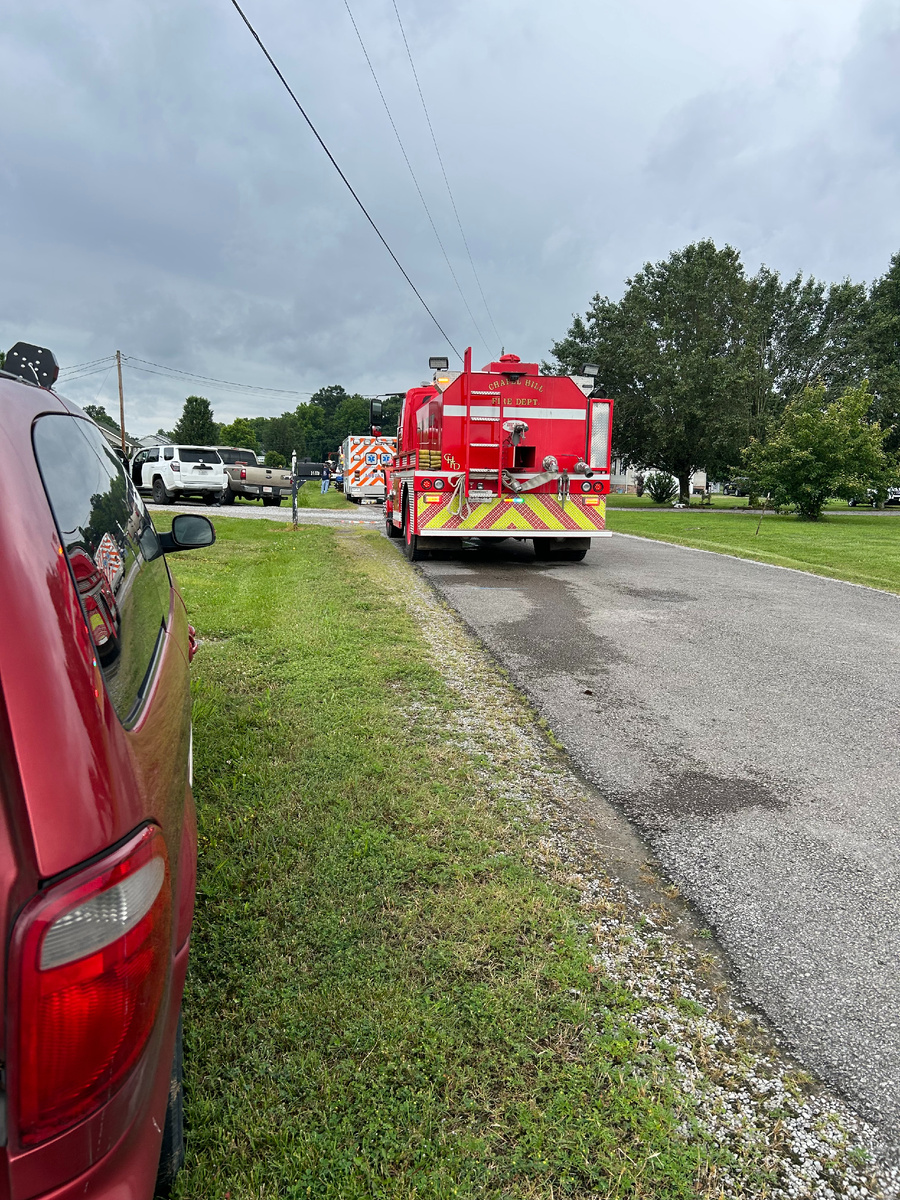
{"x":746,"y":719}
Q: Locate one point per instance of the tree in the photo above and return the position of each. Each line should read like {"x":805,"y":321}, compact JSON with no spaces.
{"x":677,"y":355}
{"x":195,"y":425}
{"x":99,"y":414}
{"x":805,"y":331}
{"x":820,"y":449}
{"x":883,"y":350}
{"x":350,"y":416}
{"x":239,"y":433}
{"x":274,"y":459}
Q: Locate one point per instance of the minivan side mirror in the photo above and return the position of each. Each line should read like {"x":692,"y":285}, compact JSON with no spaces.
{"x":189,"y":532}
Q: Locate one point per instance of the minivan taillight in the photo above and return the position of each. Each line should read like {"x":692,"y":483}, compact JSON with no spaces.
{"x":89,"y":963}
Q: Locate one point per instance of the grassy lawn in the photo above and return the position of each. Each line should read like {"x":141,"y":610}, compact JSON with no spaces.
{"x":861,"y":549}
{"x":386,"y":998}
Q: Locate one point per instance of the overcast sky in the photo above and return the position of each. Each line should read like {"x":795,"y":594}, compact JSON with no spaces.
{"x":160,"y":194}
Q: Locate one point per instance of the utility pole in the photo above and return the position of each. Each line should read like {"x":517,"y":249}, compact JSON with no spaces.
{"x":121,"y":402}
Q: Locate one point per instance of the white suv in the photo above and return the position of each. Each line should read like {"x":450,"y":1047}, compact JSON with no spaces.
{"x":170,"y":472}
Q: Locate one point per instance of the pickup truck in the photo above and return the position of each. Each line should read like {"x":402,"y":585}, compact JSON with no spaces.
{"x":245,"y":478}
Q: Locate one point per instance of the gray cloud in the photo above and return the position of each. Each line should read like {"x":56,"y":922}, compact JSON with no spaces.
{"x":159,"y":193}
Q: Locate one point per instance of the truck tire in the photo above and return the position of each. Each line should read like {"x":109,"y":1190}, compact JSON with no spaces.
{"x":390,"y":528}
{"x":228,"y":496}
{"x":210,"y":498}
{"x":171,"y":1154}
{"x":161,"y":494}
{"x":271,"y":501}
{"x":410,"y":540}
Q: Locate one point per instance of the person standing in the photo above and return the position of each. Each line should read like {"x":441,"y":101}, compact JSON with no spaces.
{"x":326,"y":476}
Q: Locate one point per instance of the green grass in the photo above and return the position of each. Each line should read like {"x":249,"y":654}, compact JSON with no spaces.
{"x":310,"y":496}
{"x":861,"y":549}
{"x":385,"y":999}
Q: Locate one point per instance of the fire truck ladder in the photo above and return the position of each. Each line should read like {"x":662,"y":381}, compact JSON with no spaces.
{"x":482,"y":474}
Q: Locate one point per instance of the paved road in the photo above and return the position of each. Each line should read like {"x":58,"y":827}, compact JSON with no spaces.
{"x":746,"y":719}
{"x":364,"y":514}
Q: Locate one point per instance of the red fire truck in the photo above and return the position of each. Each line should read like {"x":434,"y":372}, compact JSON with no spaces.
{"x":498,"y":453}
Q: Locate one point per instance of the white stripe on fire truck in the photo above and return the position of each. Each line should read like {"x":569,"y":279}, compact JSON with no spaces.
{"x":512,"y":410}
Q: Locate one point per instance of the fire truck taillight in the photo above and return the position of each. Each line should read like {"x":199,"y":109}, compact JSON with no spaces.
{"x":598,"y":487}
{"x":427,"y":485}
{"x":586,"y":487}
{"x":439,"y":485}
{"x":599,"y":434}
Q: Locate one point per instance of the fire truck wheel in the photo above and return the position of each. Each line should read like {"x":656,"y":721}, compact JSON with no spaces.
{"x":390,"y":528}
{"x":410,"y":541}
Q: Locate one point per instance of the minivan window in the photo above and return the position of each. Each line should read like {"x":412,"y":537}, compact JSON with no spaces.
{"x":112,"y":549}
{"x":190,"y":454}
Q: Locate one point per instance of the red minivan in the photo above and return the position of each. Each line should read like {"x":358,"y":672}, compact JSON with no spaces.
{"x":98,"y":838}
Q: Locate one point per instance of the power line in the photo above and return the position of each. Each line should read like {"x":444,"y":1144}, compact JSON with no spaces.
{"x":444,"y":171}
{"x":93,"y":362}
{"x":178,"y":372}
{"x":346,"y":181}
{"x":82,"y":374}
{"x":413,"y":174}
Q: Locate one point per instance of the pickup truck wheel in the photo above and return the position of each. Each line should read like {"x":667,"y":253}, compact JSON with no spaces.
{"x":210,"y":498}
{"x":171,"y":1154}
{"x":228,"y":496}
{"x":161,"y":494}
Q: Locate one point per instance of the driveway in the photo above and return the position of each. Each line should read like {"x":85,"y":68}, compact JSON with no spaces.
{"x":745,"y":717}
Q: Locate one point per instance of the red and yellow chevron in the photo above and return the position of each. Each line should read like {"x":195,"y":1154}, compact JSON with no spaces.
{"x":579,"y":515}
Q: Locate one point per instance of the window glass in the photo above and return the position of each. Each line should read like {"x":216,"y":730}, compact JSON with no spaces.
{"x":198,"y":454}
{"x":153,"y":455}
{"x":169,"y":452}
{"x":233,"y":457}
{"x":113,"y":550}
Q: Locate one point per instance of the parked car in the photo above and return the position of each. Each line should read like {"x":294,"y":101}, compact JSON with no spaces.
{"x":891,"y":497}
{"x":98,"y":840}
{"x":169,"y":473}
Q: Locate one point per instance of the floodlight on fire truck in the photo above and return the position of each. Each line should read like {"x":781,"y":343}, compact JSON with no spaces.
{"x":439,"y":364}
{"x":590,"y":369}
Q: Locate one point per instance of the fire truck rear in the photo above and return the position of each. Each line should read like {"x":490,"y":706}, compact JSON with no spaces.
{"x":498,"y":453}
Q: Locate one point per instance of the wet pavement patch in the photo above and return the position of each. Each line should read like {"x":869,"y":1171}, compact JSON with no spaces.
{"x":702,"y":794}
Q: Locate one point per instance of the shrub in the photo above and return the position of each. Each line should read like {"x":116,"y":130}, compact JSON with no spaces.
{"x":274,"y":459}
{"x":661,"y":487}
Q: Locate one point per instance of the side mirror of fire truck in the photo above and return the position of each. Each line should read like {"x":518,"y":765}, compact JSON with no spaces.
{"x":376,"y":412}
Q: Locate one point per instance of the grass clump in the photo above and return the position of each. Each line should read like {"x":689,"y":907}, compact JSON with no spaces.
{"x":385,"y":999}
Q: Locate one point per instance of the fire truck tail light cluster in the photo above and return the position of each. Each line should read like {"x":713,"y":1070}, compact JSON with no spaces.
{"x":436,"y":485}
{"x":599,"y":434}
{"x":89,"y":963}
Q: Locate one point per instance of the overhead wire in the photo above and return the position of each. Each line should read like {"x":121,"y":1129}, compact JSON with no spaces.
{"x":154,"y":368}
{"x":344,"y":178}
{"x":413,"y":174}
{"x":444,"y":171}
{"x":92,"y":363}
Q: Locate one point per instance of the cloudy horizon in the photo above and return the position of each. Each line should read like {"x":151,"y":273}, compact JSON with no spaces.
{"x":161,"y":194}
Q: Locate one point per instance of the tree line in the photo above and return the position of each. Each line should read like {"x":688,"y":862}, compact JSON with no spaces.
{"x":315,"y":429}
{"x":715,"y":369}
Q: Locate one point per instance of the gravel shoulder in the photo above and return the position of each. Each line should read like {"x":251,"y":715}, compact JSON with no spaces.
{"x":751,"y":1095}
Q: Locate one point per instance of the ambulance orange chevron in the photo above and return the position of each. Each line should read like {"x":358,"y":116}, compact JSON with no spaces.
{"x":502,"y":452}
